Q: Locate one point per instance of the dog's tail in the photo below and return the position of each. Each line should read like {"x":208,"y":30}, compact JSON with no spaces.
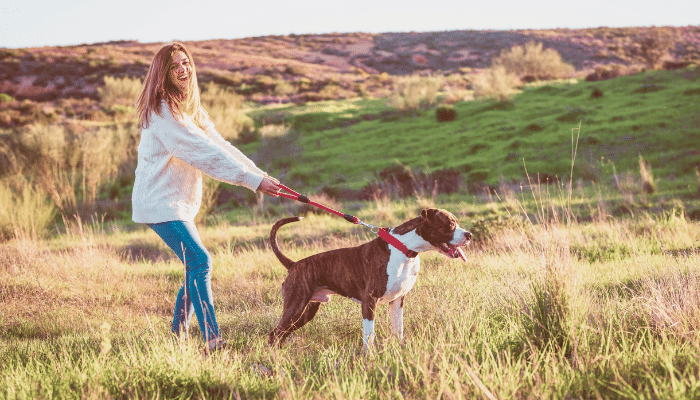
{"x":273,"y":240}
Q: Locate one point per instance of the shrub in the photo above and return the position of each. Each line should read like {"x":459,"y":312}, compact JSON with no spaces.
{"x":610,"y":71}
{"x":448,"y":180}
{"x":329,"y":92}
{"x":532,"y":62}
{"x":72,"y":163}
{"x":284,"y":89}
{"x":119,"y":91}
{"x":495,"y":83}
{"x":445,"y":113}
{"x":400,"y":181}
{"x":652,"y":46}
{"x":25,"y":212}
{"x":210,"y":194}
{"x":225,"y":108}
{"x":415,"y":92}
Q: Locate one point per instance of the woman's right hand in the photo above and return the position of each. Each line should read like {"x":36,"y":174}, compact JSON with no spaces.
{"x":270,"y":186}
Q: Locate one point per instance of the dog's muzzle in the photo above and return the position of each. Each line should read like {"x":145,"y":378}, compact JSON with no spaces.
{"x":455,"y":251}
{"x":452,"y":251}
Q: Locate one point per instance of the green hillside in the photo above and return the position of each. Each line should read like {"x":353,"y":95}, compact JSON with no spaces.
{"x":654,"y":114}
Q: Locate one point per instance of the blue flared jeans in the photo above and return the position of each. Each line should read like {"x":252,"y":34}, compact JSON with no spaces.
{"x":195,"y":293}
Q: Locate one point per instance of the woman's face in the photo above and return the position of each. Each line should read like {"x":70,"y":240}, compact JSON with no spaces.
{"x":180,"y":71}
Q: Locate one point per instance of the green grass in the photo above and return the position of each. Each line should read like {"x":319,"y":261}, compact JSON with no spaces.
{"x":86,"y":314}
{"x":654,"y":114}
{"x":582,"y":292}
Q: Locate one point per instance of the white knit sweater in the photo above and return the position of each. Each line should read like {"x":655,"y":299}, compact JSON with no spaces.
{"x":171,"y":159}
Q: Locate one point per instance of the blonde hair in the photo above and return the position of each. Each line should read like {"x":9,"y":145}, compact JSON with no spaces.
{"x":158,"y":87}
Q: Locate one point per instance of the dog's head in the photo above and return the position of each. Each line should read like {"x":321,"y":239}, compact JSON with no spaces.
{"x":441,"y":229}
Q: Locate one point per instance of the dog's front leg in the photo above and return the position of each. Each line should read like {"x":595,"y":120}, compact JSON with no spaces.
{"x":396,"y":316}
{"x":368,"y":306}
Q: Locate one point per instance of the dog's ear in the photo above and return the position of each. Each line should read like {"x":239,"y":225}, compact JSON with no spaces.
{"x":428,"y":214}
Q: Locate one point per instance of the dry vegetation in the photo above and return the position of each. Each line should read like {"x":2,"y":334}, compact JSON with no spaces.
{"x":563,"y":297}
{"x":545,"y":308}
{"x":48,"y":84}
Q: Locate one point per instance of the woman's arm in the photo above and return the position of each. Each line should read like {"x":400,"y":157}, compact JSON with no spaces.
{"x":193,"y":146}
{"x":214,"y":134}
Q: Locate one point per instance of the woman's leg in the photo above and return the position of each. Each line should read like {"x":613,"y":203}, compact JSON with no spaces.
{"x":183,"y":311}
{"x":195,"y":294}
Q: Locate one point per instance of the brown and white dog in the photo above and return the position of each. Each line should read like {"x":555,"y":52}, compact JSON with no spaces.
{"x":373,"y":273}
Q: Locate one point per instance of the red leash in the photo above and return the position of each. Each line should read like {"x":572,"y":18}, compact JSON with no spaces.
{"x":382,"y":232}
{"x":300,"y":197}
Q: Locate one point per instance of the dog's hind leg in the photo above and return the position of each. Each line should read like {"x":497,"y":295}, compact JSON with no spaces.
{"x":396,"y":316}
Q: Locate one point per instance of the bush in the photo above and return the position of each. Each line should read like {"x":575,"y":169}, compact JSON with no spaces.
{"x":495,"y":83}
{"x":119,"y":91}
{"x":400,"y":181}
{"x":25,"y":212}
{"x":284,"y":89}
{"x":224,"y":107}
{"x":648,"y":185}
{"x":610,"y":71}
{"x":210,"y":194}
{"x":4,"y":97}
{"x":444,"y":114}
{"x":652,"y":46}
{"x":415,"y":92}
{"x":532,"y":62}
{"x":72,"y":163}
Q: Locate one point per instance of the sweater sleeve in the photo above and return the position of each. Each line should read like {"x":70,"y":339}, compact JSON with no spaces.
{"x":193,"y":146}
{"x":216,"y":136}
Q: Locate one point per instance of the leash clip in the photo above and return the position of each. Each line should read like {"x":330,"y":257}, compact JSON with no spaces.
{"x":374,"y":229}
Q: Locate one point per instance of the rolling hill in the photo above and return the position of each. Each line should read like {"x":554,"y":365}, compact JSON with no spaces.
{"x":254,"y":67}
{"x":347,"y":141}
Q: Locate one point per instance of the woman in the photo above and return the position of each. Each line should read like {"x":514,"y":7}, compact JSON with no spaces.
{"x":178,"y":143}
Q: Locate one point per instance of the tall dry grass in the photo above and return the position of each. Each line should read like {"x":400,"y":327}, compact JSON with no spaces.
{"x":25,"y":210}
{"x":548,"y":306}
{"x":530,"y":315}
{"x":119,"y":91}
{"x":416,"y":92}
{"x":73,"y":163}
{"x":516,"y":65}
{"x":495,"y":83}
{"x":533,"y":61}
{"x":226,"y":109}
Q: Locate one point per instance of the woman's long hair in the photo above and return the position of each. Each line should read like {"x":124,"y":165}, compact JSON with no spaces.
{"x":158,"y":87}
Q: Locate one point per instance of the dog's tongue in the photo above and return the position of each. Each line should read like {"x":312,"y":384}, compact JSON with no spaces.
{"x":454,"y":252}
{"x":461,"y":254}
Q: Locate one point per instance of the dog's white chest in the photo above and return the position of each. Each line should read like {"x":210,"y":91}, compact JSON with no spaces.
{"x":402,"y":272}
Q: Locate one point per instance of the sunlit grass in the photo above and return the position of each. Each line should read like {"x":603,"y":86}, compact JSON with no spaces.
{"x":583,"y":288}
{"x":87,"y":315}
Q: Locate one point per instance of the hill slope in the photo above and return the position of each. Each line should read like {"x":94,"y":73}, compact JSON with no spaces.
{"x":654,"y":114}
{"x":255,"y":67}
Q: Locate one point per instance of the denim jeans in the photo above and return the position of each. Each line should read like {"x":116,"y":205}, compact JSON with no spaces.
{"x":195,"y":293}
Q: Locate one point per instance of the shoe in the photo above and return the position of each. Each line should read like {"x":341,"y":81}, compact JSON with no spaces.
{"x":216,"y":346}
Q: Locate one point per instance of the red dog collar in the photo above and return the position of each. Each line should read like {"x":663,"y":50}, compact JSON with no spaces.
{"x":389,"y":238}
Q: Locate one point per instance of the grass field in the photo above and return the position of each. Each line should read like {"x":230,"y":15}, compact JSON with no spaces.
{"x":544,"y":308}
{"x":653,"y":114}
{"x":583,"y":288}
